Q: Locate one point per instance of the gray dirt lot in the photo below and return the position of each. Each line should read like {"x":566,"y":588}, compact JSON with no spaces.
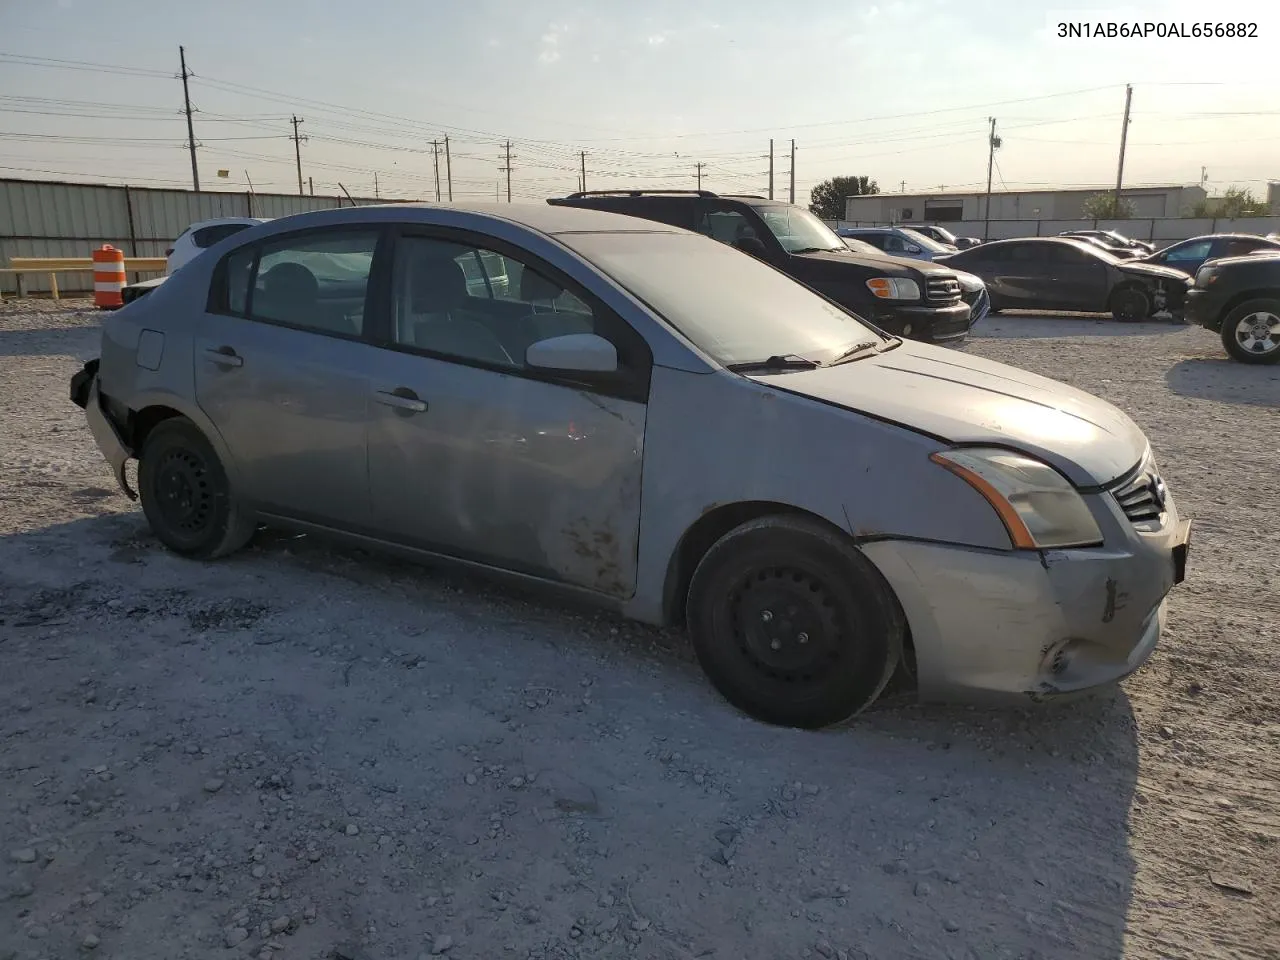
{"x":306,"y":752}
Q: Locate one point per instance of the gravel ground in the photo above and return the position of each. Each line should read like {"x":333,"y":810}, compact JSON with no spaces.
{"x":307,"y":752}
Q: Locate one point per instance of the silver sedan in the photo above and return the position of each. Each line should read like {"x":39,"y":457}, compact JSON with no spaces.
{"x":644,"y":418}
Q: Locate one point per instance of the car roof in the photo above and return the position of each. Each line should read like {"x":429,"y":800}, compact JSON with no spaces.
{"x":542,"y":217}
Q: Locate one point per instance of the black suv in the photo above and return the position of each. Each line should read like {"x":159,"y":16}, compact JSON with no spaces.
{"x":911,"y":298}
{"x":1239,"y":298}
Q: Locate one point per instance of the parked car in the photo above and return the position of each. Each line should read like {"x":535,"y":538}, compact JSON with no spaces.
{"x":190,"y":243}
{"x":942,"y":235}
{"x":972,"y":290}
{"x":1113,"y":239}
{"x":899,"y":242}
{"x":1188,"y":255}
{"x":689,"y":436}
{"x":1239,"y":299}
{"x":201,"y":236}
{"x":1057,"y":273}
{"x":911,"y":299}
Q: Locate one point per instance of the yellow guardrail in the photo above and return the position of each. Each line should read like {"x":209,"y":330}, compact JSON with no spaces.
{"x":56,"y":265}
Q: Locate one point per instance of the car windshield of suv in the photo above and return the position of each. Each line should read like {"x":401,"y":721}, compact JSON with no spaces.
{"x":928,"y":243}
{"x":798,"y":230}
{"x":729,"y":304}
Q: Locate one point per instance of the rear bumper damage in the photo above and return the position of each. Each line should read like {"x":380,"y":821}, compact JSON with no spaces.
{"x":85,"y":393}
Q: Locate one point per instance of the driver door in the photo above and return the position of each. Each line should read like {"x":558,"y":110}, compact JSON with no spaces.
{"x":473,"y":453}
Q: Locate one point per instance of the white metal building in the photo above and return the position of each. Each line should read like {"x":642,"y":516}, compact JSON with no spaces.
{"x":1170,"y":201}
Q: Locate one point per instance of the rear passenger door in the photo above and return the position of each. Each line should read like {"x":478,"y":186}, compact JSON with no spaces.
{"x":282,"y":370}
{"x":476,"y":455}
{"x":1022,"y":274}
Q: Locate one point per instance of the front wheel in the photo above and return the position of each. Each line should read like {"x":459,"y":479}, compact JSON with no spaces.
{"x":1251,"y":332}
{"x":185,"y":494}
{"x":1130,"y":305}
{"x":792,"y":624}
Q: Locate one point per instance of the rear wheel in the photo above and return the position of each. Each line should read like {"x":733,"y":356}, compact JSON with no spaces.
{"x":792,"y":624}
{"x":1251,"y":332}
{"x":185,"y":495}
{"x":1130,"y":305}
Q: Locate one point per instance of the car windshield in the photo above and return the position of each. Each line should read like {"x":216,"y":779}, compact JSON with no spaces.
{"x":928,"y":243}
{"x":941,"y":234}
{"x":729,"y":304}
{"x":797,"y":229}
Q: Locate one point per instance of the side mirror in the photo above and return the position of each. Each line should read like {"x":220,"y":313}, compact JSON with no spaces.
{"x":573,"y":353}
{"x":753,"y":246}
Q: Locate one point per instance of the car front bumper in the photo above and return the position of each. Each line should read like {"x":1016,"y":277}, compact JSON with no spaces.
{"x":1204,"y":307}
{"x":1010,"y":626}
{"x":931,"y":324}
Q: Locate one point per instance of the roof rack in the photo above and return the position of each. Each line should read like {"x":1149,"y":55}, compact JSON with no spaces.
{"x":636,"y":193}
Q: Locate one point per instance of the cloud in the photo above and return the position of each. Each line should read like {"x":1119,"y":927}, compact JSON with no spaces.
{"x":550,"y":49}
{"x":657,"y":39}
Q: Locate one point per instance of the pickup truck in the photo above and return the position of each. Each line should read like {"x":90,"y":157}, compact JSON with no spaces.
{"x":1239,"y":299}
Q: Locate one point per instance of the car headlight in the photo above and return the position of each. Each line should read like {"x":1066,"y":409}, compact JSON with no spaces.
{"x":893,"y":288}
{"x":1038,"y":506}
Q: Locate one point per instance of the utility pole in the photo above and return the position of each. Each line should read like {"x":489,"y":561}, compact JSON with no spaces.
{"x":583,"y":157}
{"x":191,"y":136}
{"x":507,"y":169}
{"x":375,"y":186}
{"x":435,"y":165}
{"x":992,"y":142}
{"x":311,"y":186}
{"x":902,"y":188}
{"x":297,"y":150}
{"x":698,"y":169}
{"x":771,"y":168}
{"x":792,"y":195}
{"x":448,"y":168}
{"x":1124,"y":137}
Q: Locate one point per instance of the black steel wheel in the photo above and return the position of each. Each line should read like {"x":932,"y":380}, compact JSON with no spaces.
{"x":1130,"y":305}
{"x":1251,"y":332}
{"x":185,"y":495}
{"x":792,"y":624}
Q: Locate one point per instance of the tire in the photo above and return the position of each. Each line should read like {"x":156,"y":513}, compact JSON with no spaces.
{"x":837,"y":631}
{"x":1130,"y":305}
{"x":185,"y":494}
{"x":1242,"y":332}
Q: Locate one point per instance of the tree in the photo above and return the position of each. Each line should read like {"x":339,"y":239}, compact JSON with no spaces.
{"x":1234,"y":202}
{"x":826,"y":200}
{"x":1103,"y":206}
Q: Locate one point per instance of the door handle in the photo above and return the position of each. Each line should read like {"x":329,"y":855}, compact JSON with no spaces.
{"x":401,"y":398}
{"x":224,"y":357}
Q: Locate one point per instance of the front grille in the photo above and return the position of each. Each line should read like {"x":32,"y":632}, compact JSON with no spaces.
{"x":1142,"y":497}
{"x":942,"y":289}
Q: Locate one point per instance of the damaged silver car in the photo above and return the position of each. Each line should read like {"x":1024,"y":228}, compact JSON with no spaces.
{"x":646,"y":419}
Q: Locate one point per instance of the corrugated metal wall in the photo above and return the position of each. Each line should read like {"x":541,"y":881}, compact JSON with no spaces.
{"x":47,"y":219}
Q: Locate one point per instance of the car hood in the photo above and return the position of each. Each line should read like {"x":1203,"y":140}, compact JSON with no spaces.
{"x":1153,"y":270}
{"x":967,"y":400}
{"x":890,"y":266}
{"x":969,"y":283}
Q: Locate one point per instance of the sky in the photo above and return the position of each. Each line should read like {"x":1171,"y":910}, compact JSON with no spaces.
{"x":898,"y":90}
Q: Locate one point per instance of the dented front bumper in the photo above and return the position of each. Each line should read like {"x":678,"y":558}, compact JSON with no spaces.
{"x":85,"y":393}
{"x":1018,"y":625}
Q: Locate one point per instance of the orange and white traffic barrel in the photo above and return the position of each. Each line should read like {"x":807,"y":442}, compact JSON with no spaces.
{"x":108,"y":277}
